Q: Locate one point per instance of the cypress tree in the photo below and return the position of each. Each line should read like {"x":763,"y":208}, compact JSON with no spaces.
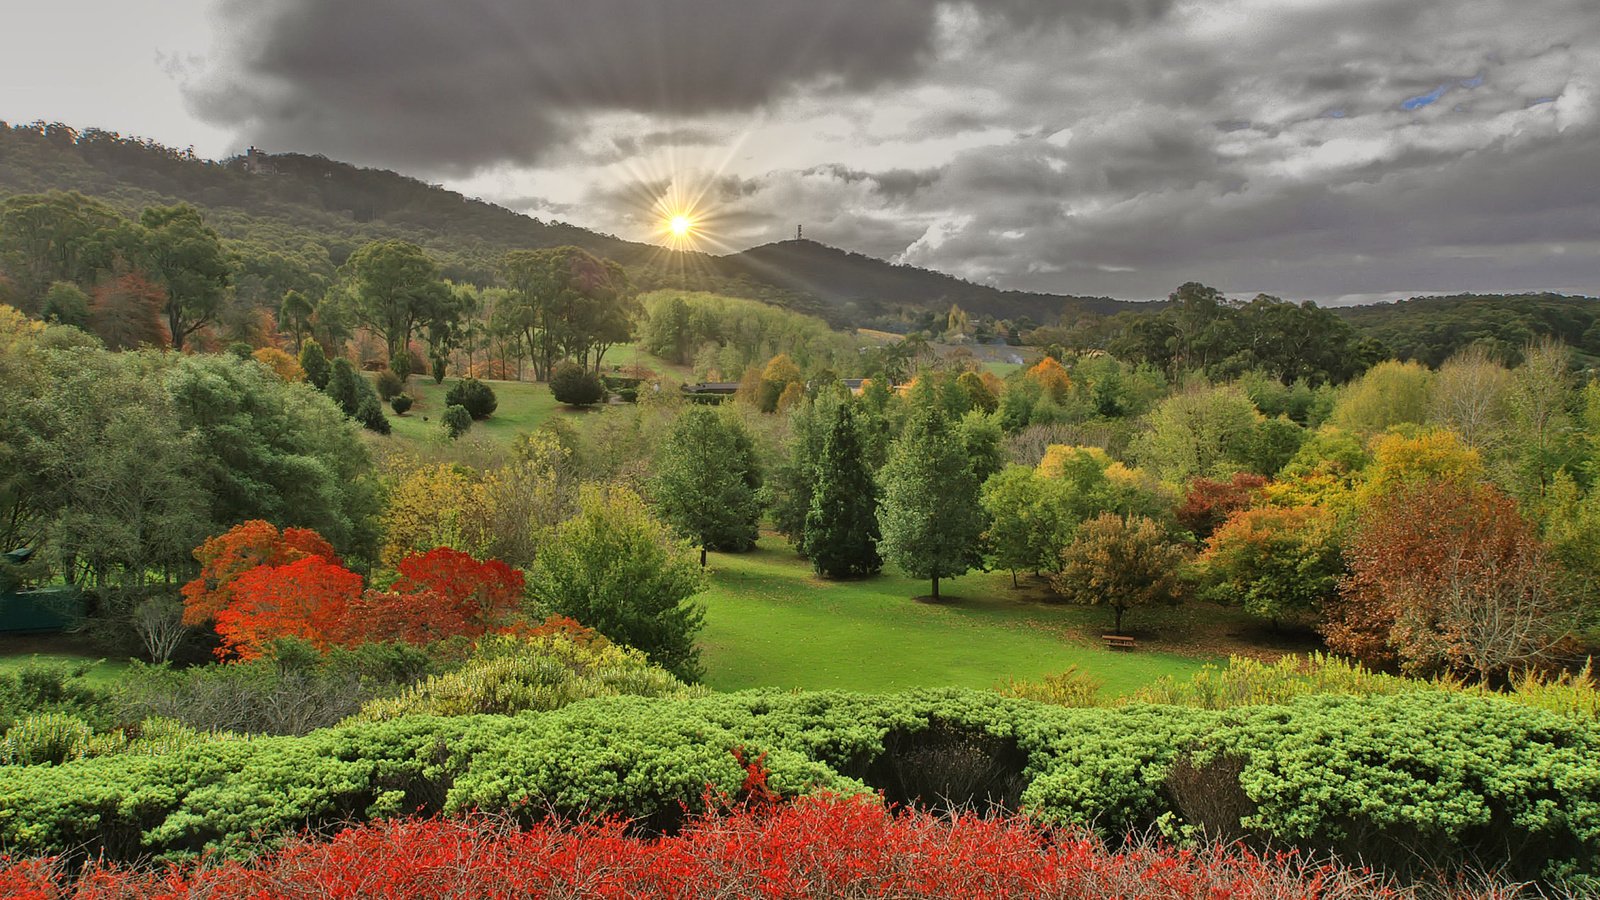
{"x":315,"y":362}
{"x":841,"y":530}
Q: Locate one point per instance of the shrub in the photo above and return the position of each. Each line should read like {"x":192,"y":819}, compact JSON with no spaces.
{"x":401,"y":404}
{"x":478,"y":398}
{"x":38,"y":687}
{"x":1444,"y":779}
{"x":456,"y":421}
{"x":389,"y":384}
{"x":507,"y":675}
{"x":439,"y":367}
{"x":315,"y":364}
{"x":827,"y":847}
{"x":575,"y":385}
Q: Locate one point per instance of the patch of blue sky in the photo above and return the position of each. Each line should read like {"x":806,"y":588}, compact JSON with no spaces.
{"x":1470,"y":83}
{"x":1541,"y":100}
{"x":1422,"y":100}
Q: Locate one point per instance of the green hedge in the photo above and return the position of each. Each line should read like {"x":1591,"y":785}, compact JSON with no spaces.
{"x":1438,"y":777}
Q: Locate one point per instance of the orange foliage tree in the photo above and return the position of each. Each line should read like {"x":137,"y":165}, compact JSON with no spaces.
{"x":224,"y":558}
{"x":1447,"y":575}
{"x":126,"y":313}
{"x":311,"y":598}
{"x":1052,"y":377}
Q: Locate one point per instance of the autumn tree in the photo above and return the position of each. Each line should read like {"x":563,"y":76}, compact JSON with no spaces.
{"x":224,"y":558}
{"x":310,"y":598}
{"x":841,"y":528}
{"x":1447,"y":575}
{"x":929,"y":513}
{"x":1121,"y":562}
{"x":1049,"y":374}
{"x":126,"y":313}
{"x":440,"y":594}
{"x":618,"y":570}
{"x":1209,"y":502}
{"x":1276,"y":563}
{"x":281,"y":364}
{"x":707,"y":481}
{"x":1390,"y":393}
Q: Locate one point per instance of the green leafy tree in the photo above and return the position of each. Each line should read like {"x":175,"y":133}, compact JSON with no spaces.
{"x":1030,"y":520}
{"x":621,"y":572}
{"x":294,"y":315}
{"x":1275,"y":562}
{"x":929,"y":512}
{"x":1202,"y":430}
{"x":1124,"y":563}
{"x":794,"y":479}
{"x":1390,"y":393}
{"x":708,"y":481}
{"x":841,"y":530}
{"x":315,"y":363}
{"x":48,"y":238}
{"x":66,"y":304}
{"x":396,"y":289}
{"x":564,"y":302}
{"x":185,"y":257}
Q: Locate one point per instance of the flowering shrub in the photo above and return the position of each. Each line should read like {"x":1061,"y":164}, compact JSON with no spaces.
{"x":822,"y":847}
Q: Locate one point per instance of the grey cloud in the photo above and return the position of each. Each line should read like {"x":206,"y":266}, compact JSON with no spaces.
{"x":456,"y":86}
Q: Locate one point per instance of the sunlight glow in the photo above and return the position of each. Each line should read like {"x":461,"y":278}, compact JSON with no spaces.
{"x":680,"y":225}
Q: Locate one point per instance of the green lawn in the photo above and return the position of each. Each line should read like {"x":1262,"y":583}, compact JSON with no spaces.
{"x":16,"y":652}
{"x":770,"y":623}
{"x":523,"y":405}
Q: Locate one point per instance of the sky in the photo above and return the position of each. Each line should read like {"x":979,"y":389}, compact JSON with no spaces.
{"x":1333,"y":150}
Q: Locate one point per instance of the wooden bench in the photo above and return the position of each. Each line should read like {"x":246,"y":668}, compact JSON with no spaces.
{"x":1118,"y":642}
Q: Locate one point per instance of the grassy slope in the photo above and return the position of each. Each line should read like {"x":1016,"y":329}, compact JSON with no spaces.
{"x":770,"y":623}
{"x":522,"y":406}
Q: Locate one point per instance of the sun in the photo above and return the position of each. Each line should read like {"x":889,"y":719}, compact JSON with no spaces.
{"x":681,"y":226}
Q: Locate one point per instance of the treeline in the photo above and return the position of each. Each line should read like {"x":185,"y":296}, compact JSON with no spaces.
{"x":722,"y":337}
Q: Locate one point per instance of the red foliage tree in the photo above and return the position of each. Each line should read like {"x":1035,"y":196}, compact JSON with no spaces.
{"x":1210,"y":503}
{"x":1447,"y":576}
{"x":126,"y":313}
{"x":461,"y":595}
{"x":311,"y":598}
{"x":229,"y":555}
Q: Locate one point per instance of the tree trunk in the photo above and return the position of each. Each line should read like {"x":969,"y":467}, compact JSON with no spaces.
{"x":936,"y":588}
{"x":1013,"y":577}
{"x":702,"y":557}
{"x":1120,"y":610}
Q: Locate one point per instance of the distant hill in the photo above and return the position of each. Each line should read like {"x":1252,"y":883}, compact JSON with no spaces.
{"x":269,"y":202}
{"x":309,"y":213}
{"x":859,"y":287}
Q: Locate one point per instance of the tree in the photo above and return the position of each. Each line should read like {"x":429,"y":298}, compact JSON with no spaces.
{"x":795,"y":478}
{"x":1122,"y":562}
{"x":929,"y":513}
{"x":1541,"y":427}
{"x":575,"y":385}
{"x":66,"y":303}
{"x":227,"y":556}
{"x":294,"y":314}
{"x":981,"y":396}
{"x":1447,"y":575}
{"x":396,"y":289}
{"x":279,"y":363}
{"x":707,"y":481}
{"x":309,"y":598}
{"x":1049,"y":375}
{"x":1209,"y":503}
{"x":841,"y":531}
{"x":57,"y":237}
{"x":465,"y":596}
{"x":1198,"y":431}
{"x":315,"y":364}
{"x":1390,"y":393}
{"x":616,"y":569}
{"x":1276,"y":563}
{"x":126,"y":313}
{"x":1469,"y":397}
{"x":185,"y":257}
{"x":1030,"y":520}
{"x":564,"y":301}
{"x":456,"y":420}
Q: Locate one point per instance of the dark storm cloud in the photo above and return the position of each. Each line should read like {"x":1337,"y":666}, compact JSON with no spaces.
{"x":455,"y":86}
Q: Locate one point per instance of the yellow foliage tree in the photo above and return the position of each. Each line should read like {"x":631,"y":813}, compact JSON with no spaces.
{"x":286,"y":367}
{"x":436,"y":506}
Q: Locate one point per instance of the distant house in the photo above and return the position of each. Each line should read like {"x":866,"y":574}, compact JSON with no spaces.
{"x":711,"y":391}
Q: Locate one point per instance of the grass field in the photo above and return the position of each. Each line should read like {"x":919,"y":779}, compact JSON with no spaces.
{"x":770,"y":623}
{"x":20,"y":650}
{"x":523,"y":405}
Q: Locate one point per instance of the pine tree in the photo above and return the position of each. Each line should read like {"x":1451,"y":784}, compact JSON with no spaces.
{"x":707,"y":481}
{"x":841,"y":528}
{"x":929,"y":511}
